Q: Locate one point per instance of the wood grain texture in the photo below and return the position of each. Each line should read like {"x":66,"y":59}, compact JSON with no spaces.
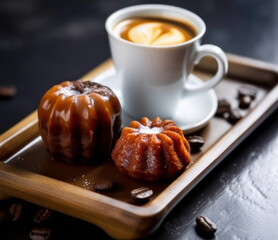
{"x":121,"y":219}
{"x":75,"y":201}
{"x":27,"y":129}
{"x":18,"y":135}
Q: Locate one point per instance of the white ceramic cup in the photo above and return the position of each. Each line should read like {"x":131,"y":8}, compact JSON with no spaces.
{"x":153,"y":79}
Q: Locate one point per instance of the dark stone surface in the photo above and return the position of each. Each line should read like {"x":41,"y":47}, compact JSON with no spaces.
{"x":45,"y":42}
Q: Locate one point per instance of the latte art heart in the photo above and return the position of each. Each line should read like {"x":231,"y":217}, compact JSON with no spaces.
{"x":156,"y":34}
{"x":154,"y":31}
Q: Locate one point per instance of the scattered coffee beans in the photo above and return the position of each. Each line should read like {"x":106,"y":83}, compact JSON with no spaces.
{"x":223,"y":107}
{"x":141,"y":194}
{"x":42,"y":215}
{"x":234,"y":116}
{"x":246,"y":94}
{"x":4,"y":216}
{"x":196,"y":142}
{"x":247,"y":90}
{"x":104,"y":186}
{"x":244,"y":102}
{"x":40,"y":234}
{"x":15,"y":211}
{"x":205,"y":227}
{"x":7,"y":91}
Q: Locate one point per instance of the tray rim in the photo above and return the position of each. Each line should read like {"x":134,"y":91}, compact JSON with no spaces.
{"x":149,"y":215}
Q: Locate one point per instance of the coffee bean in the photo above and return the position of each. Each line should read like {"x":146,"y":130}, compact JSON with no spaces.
{"x":247,"y":90}
{"x":244,"y":102}
{"x":141,"y":194}
{"x":4,"y":216}
{"x":15,"y":211}
{"x":7,"y":91}
{"x":234,"y":116}
{"x":205,"y":227}
{"x":40,"y":234}
{"x":42,"y":215}
{"x":196,"y":142}
{"x":223,"y":107}
{"x":104,"y":186}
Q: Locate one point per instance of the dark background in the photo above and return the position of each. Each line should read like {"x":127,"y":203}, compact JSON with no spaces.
{"x":46,"y":42}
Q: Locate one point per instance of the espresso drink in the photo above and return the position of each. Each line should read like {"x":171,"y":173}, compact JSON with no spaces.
{"x":154,"y":31}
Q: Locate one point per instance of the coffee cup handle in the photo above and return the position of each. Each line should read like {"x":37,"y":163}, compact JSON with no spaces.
{"x":222,"y":69}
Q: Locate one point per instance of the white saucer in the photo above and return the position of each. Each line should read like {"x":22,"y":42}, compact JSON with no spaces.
{"x":193,"y":112}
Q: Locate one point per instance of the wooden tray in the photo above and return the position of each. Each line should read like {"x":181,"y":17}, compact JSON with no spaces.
{"x":27,"y":172}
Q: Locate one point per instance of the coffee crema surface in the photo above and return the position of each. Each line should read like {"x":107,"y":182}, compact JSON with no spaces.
{"x":154,"y":31}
